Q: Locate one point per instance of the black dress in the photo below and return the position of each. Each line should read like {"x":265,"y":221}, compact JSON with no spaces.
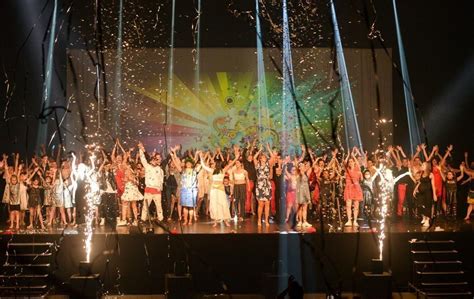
{"x":34,"y":197}
{"x":424,"y":197}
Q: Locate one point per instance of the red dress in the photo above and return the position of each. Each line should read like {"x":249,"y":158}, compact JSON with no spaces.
{"x":314,"y":183}
{"x":353,"y":191}
{"x":438,"y":182}
{"x":120,"y":180}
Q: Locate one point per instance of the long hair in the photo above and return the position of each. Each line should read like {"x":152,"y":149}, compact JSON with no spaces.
{"x":219,"y":166}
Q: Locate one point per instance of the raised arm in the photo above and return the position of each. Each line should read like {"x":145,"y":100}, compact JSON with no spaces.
{"x":400,"y":150}
{"x":204,"y":166}
{"x":417,"y":153}
{"x":446,"y":155}
{"x":255,"y":157}
{"x":433,"y":187}
{"x":423,"y":148}
{"x":5,"y":165}
{"x":303,"y":153}
{"x":393,"y":154}
{"x":16,"y":169}
{"x":231,"y":163}
{"x":28,"y":180}
{"x":175,"y":159}
{"x":141,"y":150}
{"x":104,"y":160}
{"x":461,"y":175}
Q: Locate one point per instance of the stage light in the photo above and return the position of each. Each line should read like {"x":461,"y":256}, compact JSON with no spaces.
{"x":197,"y":52}
{"x":46,"y":97}
{"x":290,"y":131}
{"x":413,"y":129}
{"x":169,"y":96}
{"x":118,"y":105}
{"x":263,"y":117}
{"x":350,"y":117}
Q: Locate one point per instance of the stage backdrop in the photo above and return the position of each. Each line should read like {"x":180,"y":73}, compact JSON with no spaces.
{"x":212,"y":99}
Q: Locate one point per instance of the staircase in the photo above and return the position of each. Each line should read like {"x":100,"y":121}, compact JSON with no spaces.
{"x":437,"y":271}
{"x":26,"y":270}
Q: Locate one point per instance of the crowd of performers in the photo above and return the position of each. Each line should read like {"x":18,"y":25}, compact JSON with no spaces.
{"x":229,"y":184}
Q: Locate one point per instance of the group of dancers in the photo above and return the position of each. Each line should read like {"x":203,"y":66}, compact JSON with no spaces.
{"x":231,"y":183}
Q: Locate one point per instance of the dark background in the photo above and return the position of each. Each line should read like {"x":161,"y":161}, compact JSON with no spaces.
{"x":437,"y":37}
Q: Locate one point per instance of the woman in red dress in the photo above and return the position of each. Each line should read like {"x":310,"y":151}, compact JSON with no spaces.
{"x":352,"y":190}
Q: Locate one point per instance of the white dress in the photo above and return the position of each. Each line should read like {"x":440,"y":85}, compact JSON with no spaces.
{"x":218,"y":204}
{"x":131,"y":192}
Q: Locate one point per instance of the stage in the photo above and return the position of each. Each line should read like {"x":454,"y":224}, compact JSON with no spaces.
{"x":134,"y":260}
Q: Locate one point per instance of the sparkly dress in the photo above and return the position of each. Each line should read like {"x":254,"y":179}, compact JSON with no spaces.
{"x":263,"y":188}
{"x":302,"y":190}
{"x":189,"y":188}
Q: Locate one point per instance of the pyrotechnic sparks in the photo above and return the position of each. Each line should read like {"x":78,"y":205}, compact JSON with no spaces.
{"x":90,"y":177}
{"x":387,"y":184}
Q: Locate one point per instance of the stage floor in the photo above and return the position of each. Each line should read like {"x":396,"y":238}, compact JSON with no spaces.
{"x":249,"y":226}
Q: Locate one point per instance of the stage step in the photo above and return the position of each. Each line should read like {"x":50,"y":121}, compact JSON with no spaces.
{"x":459,"y":295}
{"x":431,"y":242}
{"x":29,"y":254}
{"x":440,"y":273}
{"x":434,"y":255}
{"x":26,"y":265}
{"x":444,"y":284}
{"x":45,"y":244}
{"x":32,"y":287}
{"x":26,"y":269}
{"x":434,"y":251}
{"x":447,"y":266}
{"x":437,"y":270}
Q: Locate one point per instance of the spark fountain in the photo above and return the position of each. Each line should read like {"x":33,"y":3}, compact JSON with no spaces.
{"x":87,"y":283}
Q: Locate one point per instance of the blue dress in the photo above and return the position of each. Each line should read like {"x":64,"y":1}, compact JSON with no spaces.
{"x":189,"y":190}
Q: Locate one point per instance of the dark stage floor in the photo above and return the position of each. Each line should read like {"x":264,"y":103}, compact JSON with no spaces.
{"x":249,"y":226}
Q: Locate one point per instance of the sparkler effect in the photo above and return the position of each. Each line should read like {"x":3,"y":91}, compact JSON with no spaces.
{"x":89,"y":175}
{"x":387,"y":184}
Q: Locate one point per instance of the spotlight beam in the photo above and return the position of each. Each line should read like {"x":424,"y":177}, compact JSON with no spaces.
{"x":350,"y":117}
{"x":413,"y":129}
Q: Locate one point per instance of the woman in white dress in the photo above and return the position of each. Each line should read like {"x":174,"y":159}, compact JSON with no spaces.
{"x":131,"y":195}
{"x":218,"y":204}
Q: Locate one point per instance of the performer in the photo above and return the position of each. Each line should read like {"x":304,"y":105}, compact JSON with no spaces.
{"x":240,"y":181}
{"x":131,"y":195}
{"x":188,"y":192}
{"x":470,"y":195}
{"x":352,"y":190}
{"x":153,"y":183}
{"x":450,"y":187}
{"x":263,"y":187}
{"x":11,"y":195}
{"x":108,"y":190}
{"x":172,"y":187}
{"x":35,"y":199}
{"x":425,"y":193}
{"x":303,"y":196}
{"x":218,"y":204}
{"x":291,"y":184}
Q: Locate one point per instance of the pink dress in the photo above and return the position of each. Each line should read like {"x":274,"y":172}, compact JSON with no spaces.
{"x":353,"y":191}
{"x":290,"y":192}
